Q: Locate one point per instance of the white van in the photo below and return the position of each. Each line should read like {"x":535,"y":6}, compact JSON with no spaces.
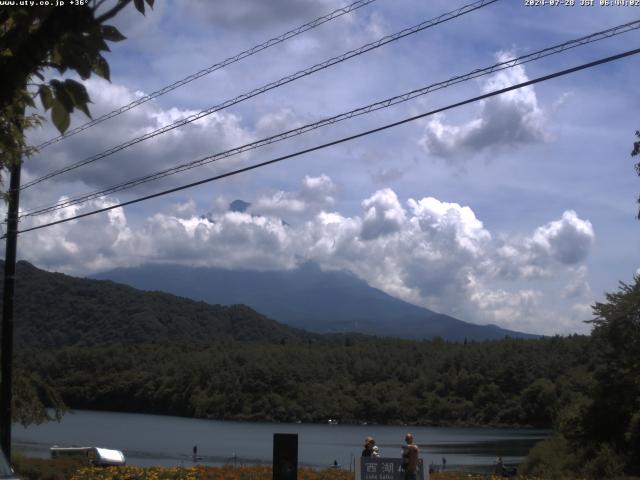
{"x":93,"y":455}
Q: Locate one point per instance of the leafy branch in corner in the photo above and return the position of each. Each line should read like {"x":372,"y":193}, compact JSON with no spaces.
{"x":35,"y":41}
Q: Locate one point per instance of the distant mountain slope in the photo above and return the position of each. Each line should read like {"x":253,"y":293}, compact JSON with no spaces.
{"x":308,"y":298}
{"x":54,"y":310}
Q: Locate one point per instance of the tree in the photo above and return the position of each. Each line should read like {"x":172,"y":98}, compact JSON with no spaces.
{"x":614,"y":415}
{"x":597,"y":432}
{"x":36,"y":40}
{"x":33,"y":398}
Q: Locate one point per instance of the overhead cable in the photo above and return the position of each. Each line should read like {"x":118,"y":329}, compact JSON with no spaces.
{"x":341,"y":140}
{"x":270,"y":86}
{"x":388,"y":102}
{"x":206,"y":71}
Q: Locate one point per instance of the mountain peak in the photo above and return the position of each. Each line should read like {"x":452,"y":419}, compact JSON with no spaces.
{"x":309,"y":298}
{"x":239,"y":206}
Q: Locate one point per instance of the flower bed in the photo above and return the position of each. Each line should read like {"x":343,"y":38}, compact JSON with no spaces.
{"x":260,"y":472}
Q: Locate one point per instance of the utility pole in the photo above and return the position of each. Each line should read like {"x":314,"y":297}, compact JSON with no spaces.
{"x":6,"y":388}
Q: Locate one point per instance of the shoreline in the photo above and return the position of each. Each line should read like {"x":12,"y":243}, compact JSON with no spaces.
{"x":261,"y":421}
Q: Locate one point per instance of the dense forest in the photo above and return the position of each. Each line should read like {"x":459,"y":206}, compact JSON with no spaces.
{"x":510,"y":382}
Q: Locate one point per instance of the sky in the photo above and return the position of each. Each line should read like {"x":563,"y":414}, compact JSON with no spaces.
{"x":518,"y":210}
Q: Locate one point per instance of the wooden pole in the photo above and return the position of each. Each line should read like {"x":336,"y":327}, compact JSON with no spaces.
{"x":6,"y":367}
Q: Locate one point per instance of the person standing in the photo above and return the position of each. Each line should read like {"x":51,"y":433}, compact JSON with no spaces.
{"x":409,"y":458}
{"x":369,"y":442}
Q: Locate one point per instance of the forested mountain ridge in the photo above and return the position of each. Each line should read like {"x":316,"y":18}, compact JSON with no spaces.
{"x":309,"y":298}
{"x":55,"y":310}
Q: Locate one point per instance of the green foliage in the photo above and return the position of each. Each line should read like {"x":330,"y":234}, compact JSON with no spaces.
{"x":374,"y":380}
{"x":599,"y":426}
{"x":612,"y":418}
{"x":34,"y":40}
{"x":33,"y":399}
{"x":604,"y":462}
{"x":13,"y":121}
{"x":550,"y":459}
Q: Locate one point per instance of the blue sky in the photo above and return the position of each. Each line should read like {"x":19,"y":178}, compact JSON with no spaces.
{"x":518,"y":211}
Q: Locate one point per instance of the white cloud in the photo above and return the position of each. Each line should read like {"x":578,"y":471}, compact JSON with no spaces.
{"x":509,"y":308}
{"x":568,"y":240}
{"x":316,"y":194}
{"x":504,"y":122}
{"x":187,"y":209}
{"x":433,"y":253}
{"x":383,"y":215}
{"x":579,"y":286}
{"x":450,"y":221}
{"x":230,"y":240}
{"x":96,"y":239}
{"x":211,"y":134}
{"x":276,"y":122}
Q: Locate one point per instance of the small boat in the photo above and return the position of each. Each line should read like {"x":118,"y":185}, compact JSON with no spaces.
{"x":93,"y":455}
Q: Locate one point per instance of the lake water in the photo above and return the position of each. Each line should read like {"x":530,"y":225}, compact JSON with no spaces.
{"x":163,"y":440}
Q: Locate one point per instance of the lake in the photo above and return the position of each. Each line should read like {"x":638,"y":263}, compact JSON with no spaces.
{"x":168,"y":441}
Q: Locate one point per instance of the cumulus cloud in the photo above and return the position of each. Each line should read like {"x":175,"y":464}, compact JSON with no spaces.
{"x":568,"y":240}
{"x":315,"y":195}
{"x":276,"y":122}
{"x":211,"y":134}
{"x":579,"y":286}
{"x":183,"y":210}
{"x":94,"y":239}
{"x":509,"y":308}
{"x":426,"y":251}
{"x":383,"y":215}
{"x":504,"y":122}
{"x":228,"y":240}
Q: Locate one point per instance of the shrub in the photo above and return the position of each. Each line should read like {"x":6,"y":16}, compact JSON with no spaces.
{"x":45,"y":469}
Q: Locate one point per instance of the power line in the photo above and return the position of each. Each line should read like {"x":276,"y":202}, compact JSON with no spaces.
{"x":217,"y":66}
{"x":597,"y":36}
{"x":270,"y":86}
{"x":345,"y":139}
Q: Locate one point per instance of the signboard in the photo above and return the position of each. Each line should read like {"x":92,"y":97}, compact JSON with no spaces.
{"x":285,"y":456}
{"x":380,"y":468}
